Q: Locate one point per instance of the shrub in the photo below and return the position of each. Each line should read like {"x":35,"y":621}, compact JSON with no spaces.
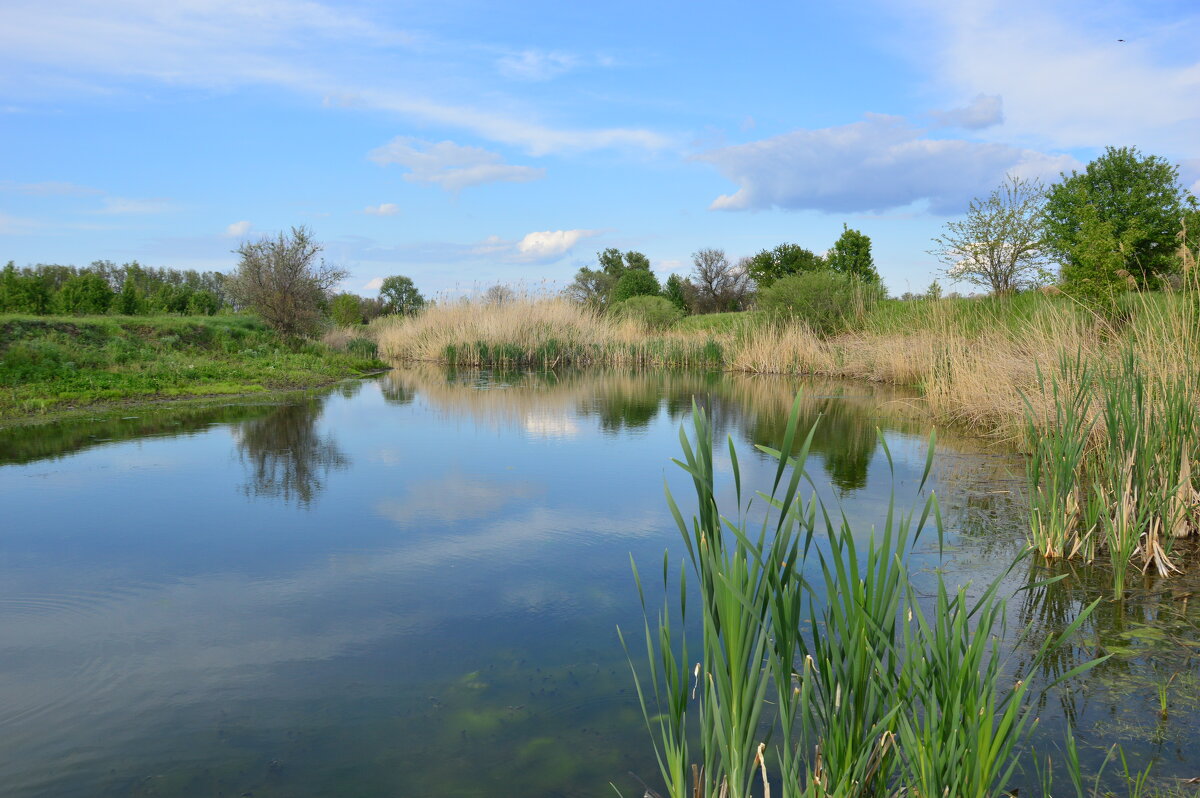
{"x":346,"y":310}
{"x":636,"y":282}
{"x":86,"y":293}
{"x":653,"y":311}
{"x":827,"y":301}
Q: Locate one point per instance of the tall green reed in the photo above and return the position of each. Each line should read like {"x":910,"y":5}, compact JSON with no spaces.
{"x":818,"y":670}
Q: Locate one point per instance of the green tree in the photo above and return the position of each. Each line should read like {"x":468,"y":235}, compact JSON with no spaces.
{"x":400,"y":295}
{"x":851,"y":254}
{"x":1000,"y":243}
{"x":673,"y":291}
{"x":1122,"y":211}
{"x":203,"y":303}
{"x":636,"y":282}
{"x":85,"y":293}
{"x":284,"y":280}
{"x":770,"y":264}
{"x":130,"y":301}
{"x":346,"y":310}
{"x":595,"y":287}
{"x":826,"y":301}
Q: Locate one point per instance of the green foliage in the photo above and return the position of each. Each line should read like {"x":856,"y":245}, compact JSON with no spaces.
{"x":851,"y":254}
{"x":130,"y":301}
{"x":673,"y":292}
{"x":1122,"y":212}
{"x":597,"y":287}
{"x":203,"y":303}
{"x":346,"y":310}
{"x":56,"y":362}
{"x":400,"y":295}
{"x":84,"y":294}
{"x":999,"y":244}
{"x":635,"y":282}
{"x":868,"y":694}
{"x":827,"y":301}
{"x":656,"y":312}
{"x":770,"y":265}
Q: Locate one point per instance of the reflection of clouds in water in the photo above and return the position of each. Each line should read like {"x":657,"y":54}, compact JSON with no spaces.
{"x":455,"y":497}
{"x":543,"y":424}
{"x":158,"y":645}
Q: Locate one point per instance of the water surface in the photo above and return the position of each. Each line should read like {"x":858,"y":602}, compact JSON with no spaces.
{"x":410,"y":585}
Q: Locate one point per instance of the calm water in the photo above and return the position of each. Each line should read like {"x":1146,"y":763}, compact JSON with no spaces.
{"x":410,"y":585}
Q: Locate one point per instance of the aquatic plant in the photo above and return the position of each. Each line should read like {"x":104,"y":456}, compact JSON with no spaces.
{"x":818,"y":669}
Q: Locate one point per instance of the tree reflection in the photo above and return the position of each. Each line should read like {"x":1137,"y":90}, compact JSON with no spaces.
{"x":286,"y":456}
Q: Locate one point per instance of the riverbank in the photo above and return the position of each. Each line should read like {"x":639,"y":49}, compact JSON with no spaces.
{"x":974,"y":362}
{"x":55,"y":365}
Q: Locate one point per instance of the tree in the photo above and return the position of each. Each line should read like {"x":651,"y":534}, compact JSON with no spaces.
{"x":673,"y":291}
{"x":595,"y":287}
{"x":720,"y":286}
{"x":130,"y":301}
{"x":1122,"y":211}
{"x":499,"y":294}
{"x":999,"y":244}
{"x":769,"y":265}
{"x":86,"y":293}
{"x":400,"y":295}
{"x":284,"y":281}
{"x":635,"y":282}
{"x":346,"y":310}
{"x":851,"y":254}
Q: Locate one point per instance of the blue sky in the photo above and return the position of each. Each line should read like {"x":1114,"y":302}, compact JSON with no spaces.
{"x":466,"y":143}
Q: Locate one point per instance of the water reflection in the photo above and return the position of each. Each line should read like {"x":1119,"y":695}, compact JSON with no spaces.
{"x":752,"y":407}
{"x":286,"y":456}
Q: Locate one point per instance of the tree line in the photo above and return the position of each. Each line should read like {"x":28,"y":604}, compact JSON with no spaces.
{"x":622,"y":282}
{"x":1124,"y":223}
{"x":104,"y":287}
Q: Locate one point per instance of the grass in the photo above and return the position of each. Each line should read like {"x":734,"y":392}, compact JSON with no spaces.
{"x":819,"y":668}
{"x":50,"y":364}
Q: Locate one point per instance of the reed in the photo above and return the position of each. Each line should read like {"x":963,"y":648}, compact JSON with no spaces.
{"x":868,"y":694}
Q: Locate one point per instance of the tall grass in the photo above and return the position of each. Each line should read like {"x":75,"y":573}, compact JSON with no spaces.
{"x":818,"y":670}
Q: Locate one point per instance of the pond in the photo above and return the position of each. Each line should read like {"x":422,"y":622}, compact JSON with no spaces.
{"x":410,"y":585}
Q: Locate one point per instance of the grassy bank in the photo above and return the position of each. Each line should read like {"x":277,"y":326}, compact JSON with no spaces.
{"x":50,"y":364}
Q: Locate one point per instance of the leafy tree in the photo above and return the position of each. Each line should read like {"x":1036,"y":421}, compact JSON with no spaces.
{"x":203,"y":303}
{"x":284,"y":281}
{"x":596,"y":287}
{"x":85,"y":293}
{"x":400,"y":295}
{"x":635,"y":282}
{"x":851,"y":254}
{"x":1122,"y":211}
{"x":999,"y":245}
{"x":720,"y":285}
{"x":673,"y":292}
{"x":770,"y":264}
{"x":130,"y":301}
{"x":346,"y":310}
{"x":934,"y":291}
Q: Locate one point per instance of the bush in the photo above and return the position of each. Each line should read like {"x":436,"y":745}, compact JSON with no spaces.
{"x":654,"y":311}
{"x":636,"y":282}
{"x":827,"y":301}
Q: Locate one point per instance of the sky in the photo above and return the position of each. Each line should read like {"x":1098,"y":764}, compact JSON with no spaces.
{"x":465,"y":143}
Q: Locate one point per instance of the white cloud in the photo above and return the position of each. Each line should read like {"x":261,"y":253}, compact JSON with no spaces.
{"x":298,"y":45}
{"x":238,"y":229}
{"x":449,"y":165}
{"x":122,"y":206}
{"x":374,"y":284}
{"x":880,"y":163}
{"x":536,"y":64}
{"x":984,"y":111}
{"x":1064,"y":76}
{"x":15,"y":225}
{"x":382,"y":209}
{"x":550,"y":245}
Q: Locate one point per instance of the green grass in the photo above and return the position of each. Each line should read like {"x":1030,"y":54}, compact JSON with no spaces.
{"x":721,"y":322}
{"x":50,"y":364}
